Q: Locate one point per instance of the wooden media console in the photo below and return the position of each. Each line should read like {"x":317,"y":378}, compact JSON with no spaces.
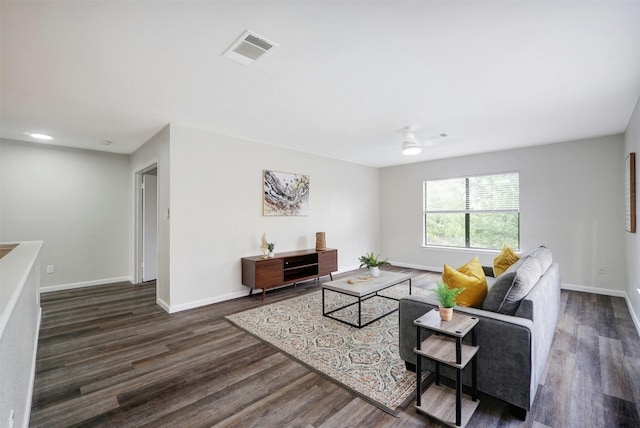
{"x":287,"y":268}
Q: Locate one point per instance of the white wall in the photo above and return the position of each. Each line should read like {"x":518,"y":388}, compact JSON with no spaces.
{"x":571,"y":200}
{"x":76,"y":201}
{"x":216,"y":211}
{"x":155,"y":151}
{"x":632,"y":240}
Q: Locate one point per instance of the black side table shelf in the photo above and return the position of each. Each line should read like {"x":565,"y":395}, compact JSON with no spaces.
{"x":445,"y":347}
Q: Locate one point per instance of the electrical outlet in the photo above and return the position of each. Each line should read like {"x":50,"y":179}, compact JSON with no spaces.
{"x":601,"y":270}
{"x":50,"y":268}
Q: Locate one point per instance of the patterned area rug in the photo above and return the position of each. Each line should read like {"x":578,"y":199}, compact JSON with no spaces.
{"x":364,"y":360}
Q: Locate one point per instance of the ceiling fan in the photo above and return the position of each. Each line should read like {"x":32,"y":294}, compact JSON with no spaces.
{"x":412,"y":146}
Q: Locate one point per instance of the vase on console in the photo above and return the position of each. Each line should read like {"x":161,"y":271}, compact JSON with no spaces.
{"x":374,"y":271}
{"x":321,"y":242}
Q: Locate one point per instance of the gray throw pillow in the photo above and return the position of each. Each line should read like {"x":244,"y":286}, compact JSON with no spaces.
{"x":515,"y":283}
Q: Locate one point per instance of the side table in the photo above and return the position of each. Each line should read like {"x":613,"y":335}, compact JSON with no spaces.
{"x":445,"y":346}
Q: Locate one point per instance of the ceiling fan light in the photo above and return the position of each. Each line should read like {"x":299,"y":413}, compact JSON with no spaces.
{"x":40,"y":136}
{"x":411,"y":148}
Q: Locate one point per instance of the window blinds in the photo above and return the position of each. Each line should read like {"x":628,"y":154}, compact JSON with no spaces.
{"x":481,"y":193}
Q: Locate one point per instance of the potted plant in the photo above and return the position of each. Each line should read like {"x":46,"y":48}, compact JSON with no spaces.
{"x":447,"y":298}
{"x":372,"y":263}
{"x":270,"y":247}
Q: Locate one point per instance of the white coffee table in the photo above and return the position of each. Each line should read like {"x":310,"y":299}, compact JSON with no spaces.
{"x":363,"y":291}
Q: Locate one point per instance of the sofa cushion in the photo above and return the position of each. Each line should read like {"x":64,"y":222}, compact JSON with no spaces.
{"x":504,"y":260}
{"x":515,"y":283}
{"x":470,"y":276}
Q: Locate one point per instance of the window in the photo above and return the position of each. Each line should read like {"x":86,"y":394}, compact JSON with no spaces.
{"x":473,"y":212}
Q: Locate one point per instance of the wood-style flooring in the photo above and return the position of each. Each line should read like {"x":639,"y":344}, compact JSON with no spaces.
{"x":109,"y":356}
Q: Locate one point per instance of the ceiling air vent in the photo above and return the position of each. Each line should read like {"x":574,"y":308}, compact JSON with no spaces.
{"x":249,"y":48}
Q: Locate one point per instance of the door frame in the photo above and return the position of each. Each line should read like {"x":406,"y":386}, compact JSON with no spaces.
{"x":138,"y":222}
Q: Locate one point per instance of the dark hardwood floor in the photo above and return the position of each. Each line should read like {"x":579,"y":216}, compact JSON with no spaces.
{"x":109,"y":356}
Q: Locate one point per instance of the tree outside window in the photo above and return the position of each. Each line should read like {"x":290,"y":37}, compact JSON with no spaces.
{"x":473,"y":212}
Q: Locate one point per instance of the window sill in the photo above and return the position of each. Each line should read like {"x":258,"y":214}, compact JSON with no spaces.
{"x":462,"y":249}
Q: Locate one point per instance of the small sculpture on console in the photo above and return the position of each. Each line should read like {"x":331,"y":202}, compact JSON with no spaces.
{"x":265,"y":246}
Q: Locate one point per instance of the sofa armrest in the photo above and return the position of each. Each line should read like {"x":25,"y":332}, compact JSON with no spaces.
{"x":504,"y":356}
{"x":542,"y":306}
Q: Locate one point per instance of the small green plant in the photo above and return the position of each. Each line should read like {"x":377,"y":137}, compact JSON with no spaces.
{"x":271,"y":246}
{"x":447,"y":296}
{"x":371,"y":260}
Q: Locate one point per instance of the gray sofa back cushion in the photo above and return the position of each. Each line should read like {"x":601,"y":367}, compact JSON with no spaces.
{"x":515,"y":283}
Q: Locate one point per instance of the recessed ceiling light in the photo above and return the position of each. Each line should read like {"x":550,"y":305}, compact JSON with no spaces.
{"x":41,"y":136}
{"x":106,"y":142}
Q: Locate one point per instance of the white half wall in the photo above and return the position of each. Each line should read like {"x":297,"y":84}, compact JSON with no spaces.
{"x":76,"y":201}
{"x":155,"y":151}
{"x":216,"y":211}
{"x":571,"y":200}
{"x":19,"y":330}
{"x":632,"y":240}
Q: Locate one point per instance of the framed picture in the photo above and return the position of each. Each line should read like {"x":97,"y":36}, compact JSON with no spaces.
{"x":285,"y":194}
{"x":630,"y":193}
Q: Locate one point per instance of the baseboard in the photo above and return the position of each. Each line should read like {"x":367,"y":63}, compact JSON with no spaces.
{"x":32,"y":375}
{"x":164,"y":305}
{"x":421,"y":267}
{"x":347,"y":269}
{"x":50,"y":288}
{"x":208,"y":301}
{"x":585,"y":289}
{"x":211,"y":300}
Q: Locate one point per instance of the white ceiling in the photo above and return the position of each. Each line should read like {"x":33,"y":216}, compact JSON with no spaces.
{"x":346,"y":78}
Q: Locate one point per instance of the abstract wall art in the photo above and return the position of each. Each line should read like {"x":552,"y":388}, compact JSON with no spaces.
{"x":285,"y":194}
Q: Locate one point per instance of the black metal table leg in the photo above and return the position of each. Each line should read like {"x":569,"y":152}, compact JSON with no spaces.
{"x":323,"y":313}
{"x":418,"y":370}
{"x":474,"y":368}
{"x":458,"y":397}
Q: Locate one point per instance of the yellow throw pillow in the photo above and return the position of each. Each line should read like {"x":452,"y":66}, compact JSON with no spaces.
{"x":503,"y":260}
{"x":471,"y":277}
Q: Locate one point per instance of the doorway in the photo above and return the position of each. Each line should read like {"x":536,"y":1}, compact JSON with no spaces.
{"x":146,"y":219}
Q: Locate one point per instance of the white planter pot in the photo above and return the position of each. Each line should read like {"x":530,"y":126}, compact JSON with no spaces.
{"x":271,"y":255}
{"x":374,"y":271}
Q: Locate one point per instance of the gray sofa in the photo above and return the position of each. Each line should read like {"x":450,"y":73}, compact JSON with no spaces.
{"x":514,"y":335}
